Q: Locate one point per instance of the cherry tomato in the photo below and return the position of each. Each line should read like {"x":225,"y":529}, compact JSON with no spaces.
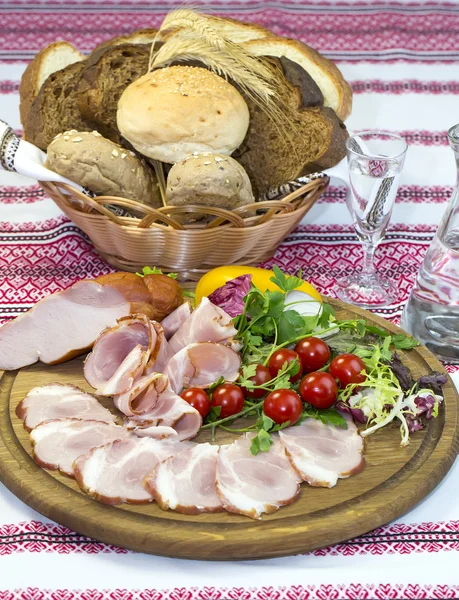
{"x":347,"y":368}
{"x":279,"y":358}
{"x":313,"y":352}
{"x":230,"y":397}
{"x":198,"y":399}
{"x":282,"y":406}
{"x":262,"y":376}
{"x":319,"y":389}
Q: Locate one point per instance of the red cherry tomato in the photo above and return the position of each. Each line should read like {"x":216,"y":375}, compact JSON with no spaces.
{"x":198,"y":399}
{"x":262,"y":376}
{"x":319,"y":389}
{"x":347,"y":368}
{"x":313,"y":352}
{"x":230,"y":397}
{"x":282,"y":406}
{"x":279,"y":358}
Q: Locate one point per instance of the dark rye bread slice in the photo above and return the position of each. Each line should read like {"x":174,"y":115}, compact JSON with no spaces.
{"x":55,"y":110}
{"x":105,"y":76}
{"x":313,"y":139}
{"x":298,"y":77}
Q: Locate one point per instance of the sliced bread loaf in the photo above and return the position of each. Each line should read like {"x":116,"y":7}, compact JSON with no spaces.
{"x":141,"y":36}
{"x":336,"y":91}
{"x":104,"y":77}
{"x":314,"y":139}
{"x":53,"y":58}
{"x":55,"y":108}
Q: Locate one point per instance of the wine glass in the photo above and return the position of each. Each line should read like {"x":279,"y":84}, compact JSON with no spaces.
{"x":375,"y":161}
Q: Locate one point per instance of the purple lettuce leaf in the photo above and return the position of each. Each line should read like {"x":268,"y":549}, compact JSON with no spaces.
{"x":357,"y":413}
{"x":230,"y":297}
{"x":434,"y":381}
{"x":425,"y":406}
{"x":401,"y":372}
{"x":414,"y":424}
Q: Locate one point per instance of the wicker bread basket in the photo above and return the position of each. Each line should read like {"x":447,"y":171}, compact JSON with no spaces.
{"x":247,"y":235}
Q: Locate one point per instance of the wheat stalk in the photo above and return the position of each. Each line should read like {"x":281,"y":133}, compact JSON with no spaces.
{"x":190,"y":22}
{"x":196,"y":37}
{"x":161,"y":179}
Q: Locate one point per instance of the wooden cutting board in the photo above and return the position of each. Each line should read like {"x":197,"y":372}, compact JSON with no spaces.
{"x":395,"y":479}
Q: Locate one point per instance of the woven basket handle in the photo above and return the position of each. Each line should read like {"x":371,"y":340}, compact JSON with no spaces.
{"x":164,"y":216}
{"x":88,"y":204}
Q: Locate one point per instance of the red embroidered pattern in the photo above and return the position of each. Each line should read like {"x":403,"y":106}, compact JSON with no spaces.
{"x":424,"y":138}
{"x":9,"y":87}
{"x":21,"y":195}
{"x":348,"y":31}
{"x":436,"y":194}
{"x":406,"y":86}
{"x":8,"y":227}
{"x":353,"y":591}
{"x":35,"y":536}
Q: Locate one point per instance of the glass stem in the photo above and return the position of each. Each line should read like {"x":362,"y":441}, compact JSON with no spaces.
{"x":368,"y":268}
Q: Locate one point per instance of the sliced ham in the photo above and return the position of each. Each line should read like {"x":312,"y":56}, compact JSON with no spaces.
{"x":61,"y":326}
{"x":58,"y":401}
{"x":161,"y":352}
{"x":253,"y":485}
{"x":119,"y":356}
{"x":173,"y":322}
{"x":114,"y":473}
{"x":207,"y":323}
{"x":321,"y":453}
{"x":57,"y":443}
{"x":169,"y":411}
{"x":156,"y":432}
{"x":201,"y":365}
{"x":185,"y":482}
{"x":142,"y":396}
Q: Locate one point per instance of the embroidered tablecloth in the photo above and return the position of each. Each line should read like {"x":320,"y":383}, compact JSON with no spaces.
{"x":402,"y":60}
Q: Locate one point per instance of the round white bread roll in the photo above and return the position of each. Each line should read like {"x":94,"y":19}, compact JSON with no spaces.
{"x":172,"y":112}
{"x":209,"y":180}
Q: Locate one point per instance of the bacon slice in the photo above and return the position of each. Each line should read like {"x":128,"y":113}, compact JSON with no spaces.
{"x":253,"y":485}
{"x":58,"y":401}
{"x":201,"y":365}
{"x":321,"y":453}
{"x":207,"y":323}
{"x":169,"y":411}
{"x":173,"y":322}
{"x":59,"y":442}
{"x":186,"y":481}
{"x":114,"y":473}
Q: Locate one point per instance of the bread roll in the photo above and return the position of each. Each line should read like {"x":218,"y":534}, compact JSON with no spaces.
{"x":209,"y":180}
{"x":105,"y":168}
{"x":172,"y":112}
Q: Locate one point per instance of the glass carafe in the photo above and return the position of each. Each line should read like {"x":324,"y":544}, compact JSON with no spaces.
{"x":432,"y":312}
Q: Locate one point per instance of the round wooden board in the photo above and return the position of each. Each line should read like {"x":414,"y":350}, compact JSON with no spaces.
{"x":394,"y":480}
